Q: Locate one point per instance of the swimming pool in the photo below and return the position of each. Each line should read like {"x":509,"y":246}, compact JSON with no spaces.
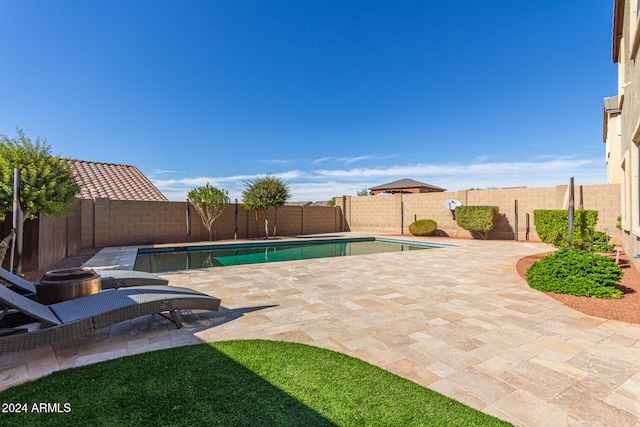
{"x":157,"y":260}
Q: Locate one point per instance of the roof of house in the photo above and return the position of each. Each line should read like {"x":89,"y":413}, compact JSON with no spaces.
{"x":618,"y":23}
{"x":116,"y":182}
{"x":405,"y":183}
{"x":299,"y":203}
{"x":611,"y":106}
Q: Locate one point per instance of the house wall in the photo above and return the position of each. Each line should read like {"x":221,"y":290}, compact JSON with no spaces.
{"x":613,"y":146}
{"x":629,"y":93}
{"x":394,"y":213}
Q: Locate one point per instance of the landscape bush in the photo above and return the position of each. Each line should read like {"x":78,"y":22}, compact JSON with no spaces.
{"x":481,"y":219}
{"x":552,"y":227}
{"x":600,"y":242}
{"x":576,"y":272}
{"x":423,"y":227}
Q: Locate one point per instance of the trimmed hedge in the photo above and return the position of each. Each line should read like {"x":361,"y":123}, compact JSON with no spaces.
{"x":482,"y":219}
{"x":423,"y":227}
{"x":552,"y":227}
{"x":576,"y":272}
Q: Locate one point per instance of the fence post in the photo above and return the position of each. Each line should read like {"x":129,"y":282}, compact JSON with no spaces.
{"x":516,"y":224}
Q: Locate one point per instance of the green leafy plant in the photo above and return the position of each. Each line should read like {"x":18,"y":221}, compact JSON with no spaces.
{"x":423,"y":227}
{"x":600,"y":242}
{"x":552,"y":227}
{"x":267,"y":192}
{"x":481,"y":219}
{"x":210,"y":202}
{"x":576,"y":272}
{"x":47,"y":185}
{"x":619,"y":224}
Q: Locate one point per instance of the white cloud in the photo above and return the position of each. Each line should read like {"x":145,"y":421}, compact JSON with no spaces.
{"x":322,"y":159}
{"x":322,"y":184}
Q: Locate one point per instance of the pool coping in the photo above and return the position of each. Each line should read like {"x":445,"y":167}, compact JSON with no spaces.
{"x":124,"y":257}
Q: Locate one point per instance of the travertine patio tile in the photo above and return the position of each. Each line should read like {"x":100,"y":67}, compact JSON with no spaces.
{"x":495,"y":366}
{"x":413,"y":371}
{"x":525,"y":409}
{"x":486,"y":387}
{"x":454,"y":391}
{"x":459,"y":320}
{"x":619,"y":340}
{"x":561,"y":368}
{"x":604,"y":365}
{"x":537,"y":380}
{"x":14,"y":375}
{"x":630,"y":388}
{"x":598,"y":412}
{"x":99,"y":357}
{"x":557,"y":346}
{"x":626,"y":404}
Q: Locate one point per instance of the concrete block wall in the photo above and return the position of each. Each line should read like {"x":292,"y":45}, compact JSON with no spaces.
{"x":113,"y":222}
{"x":394,"y":213}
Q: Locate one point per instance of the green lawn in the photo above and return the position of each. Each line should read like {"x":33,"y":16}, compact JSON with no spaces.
{"x":236,"y":383}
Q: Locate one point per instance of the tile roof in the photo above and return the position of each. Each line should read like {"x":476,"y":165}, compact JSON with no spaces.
{"x":115,"y":182}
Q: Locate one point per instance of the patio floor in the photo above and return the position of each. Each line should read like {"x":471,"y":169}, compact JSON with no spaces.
{"x":458,"y":320}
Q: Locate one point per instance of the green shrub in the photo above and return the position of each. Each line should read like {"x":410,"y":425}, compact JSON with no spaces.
{"x":423,"y":227}
{"x":600,"y":242}
{"x":552,"y":227}
{"x":576,"y":272}
{"x":477,"y":218}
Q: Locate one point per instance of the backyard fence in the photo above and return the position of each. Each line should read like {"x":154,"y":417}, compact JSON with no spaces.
{"x":104,"y":222}
{"x":394,"y":213}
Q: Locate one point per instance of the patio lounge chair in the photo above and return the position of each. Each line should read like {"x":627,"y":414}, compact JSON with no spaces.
{"x":83,"y":315}
{"x":110,"y":279}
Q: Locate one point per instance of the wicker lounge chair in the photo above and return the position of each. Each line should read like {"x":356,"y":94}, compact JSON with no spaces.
{"x":110,"y":279}
{"x":89,"y":313}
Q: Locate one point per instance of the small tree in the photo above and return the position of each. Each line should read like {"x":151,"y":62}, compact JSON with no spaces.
{"x":210,"y":202}
{"x":265,"y":193}
{"x":363,"y":192}
{"x":47,"y":185}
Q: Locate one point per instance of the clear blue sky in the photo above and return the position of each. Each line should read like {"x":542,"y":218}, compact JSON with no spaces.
{"x":331,"y":96}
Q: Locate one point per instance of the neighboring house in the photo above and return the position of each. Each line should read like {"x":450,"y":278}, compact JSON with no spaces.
{"x":302,"y":204}
{"x":115,"y":182}
{"x":625,"y":43}
{"x":405,"y":186}
{"x":611,"y":136}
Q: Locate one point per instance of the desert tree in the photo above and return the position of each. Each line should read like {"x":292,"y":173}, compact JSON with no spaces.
{"x":264,"y":193}
{"x":47,"y":184}
{"x":210,"y":202}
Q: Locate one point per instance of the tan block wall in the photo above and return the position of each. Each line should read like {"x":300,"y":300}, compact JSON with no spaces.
{"x":394,"y":213}
{"x":114,"y":222}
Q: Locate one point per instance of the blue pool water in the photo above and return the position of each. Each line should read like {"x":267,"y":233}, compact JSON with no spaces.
{"x":183,"y":258}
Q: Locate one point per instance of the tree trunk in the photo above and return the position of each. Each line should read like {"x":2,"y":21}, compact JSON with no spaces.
{"x":4,"y":246}
{"x":257,"y":234}
{"x":266,"y":224}
{"x":275,"y":223}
